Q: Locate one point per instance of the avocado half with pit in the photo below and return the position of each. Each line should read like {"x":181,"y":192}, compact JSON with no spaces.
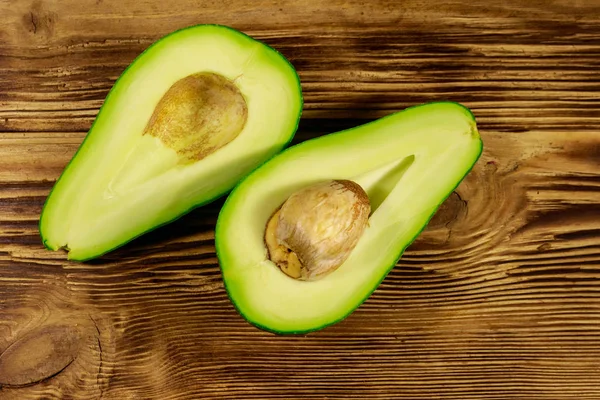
{"x":407,"y":164}
{"x":192,"y":115}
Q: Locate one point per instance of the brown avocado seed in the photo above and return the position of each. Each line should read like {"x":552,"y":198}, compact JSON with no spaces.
{"x":317,"y":228}
{"x":198,"y":115}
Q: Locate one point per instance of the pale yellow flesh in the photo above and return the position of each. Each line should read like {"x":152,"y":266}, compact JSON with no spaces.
{"x":131,"y":181}
{"x":409,"y":162}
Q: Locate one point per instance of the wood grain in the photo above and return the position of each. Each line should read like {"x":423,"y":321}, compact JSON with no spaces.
{"x":498,"y":299}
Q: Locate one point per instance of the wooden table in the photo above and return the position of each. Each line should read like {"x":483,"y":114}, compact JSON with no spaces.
{"x":498,"y":299}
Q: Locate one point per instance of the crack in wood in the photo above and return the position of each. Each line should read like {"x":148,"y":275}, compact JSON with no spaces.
{"x":33,"y":22}
{"x":98,"y":382}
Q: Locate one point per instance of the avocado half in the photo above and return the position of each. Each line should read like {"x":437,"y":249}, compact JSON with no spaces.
{"x":408,"y":163}
{"x":126,"y":179}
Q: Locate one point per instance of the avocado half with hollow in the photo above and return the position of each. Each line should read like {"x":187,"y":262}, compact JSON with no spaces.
{"x":407,"y":163}
{"x":192,"y":115}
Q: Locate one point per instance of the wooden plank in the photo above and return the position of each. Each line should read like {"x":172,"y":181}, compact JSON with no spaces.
{"x":499,"y":298}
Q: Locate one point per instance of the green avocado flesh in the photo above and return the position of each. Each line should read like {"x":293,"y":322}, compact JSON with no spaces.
{"x":127,"y":179}
{"x":408,"y":163}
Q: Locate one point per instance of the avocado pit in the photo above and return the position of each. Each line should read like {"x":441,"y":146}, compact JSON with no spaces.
{"x":316,"y":228}
{"x":198,"y":115}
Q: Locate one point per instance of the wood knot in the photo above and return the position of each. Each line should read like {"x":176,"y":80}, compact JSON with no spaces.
{"x":39,"y":355}
{"x":54,"y":343}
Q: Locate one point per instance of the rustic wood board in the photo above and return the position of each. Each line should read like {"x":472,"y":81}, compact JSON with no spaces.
{"x":498,"y":299}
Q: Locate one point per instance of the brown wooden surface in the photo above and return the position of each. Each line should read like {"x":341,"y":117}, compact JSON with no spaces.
{"x":498,"y":299}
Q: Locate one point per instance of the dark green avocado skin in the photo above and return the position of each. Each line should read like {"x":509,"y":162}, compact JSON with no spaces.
{"x":218,"y":196}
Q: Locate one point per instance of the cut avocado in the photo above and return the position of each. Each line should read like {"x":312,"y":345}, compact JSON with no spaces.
{"x":191,"y":116}
{"x":408,"y":163}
